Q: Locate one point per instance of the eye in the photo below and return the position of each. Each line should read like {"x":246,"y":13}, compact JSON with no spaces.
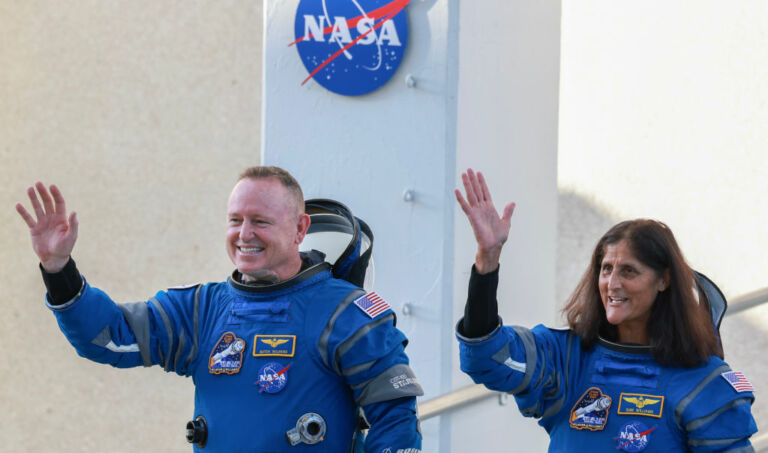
{"x":606,"y":269}
{"x":260,"y":222}
{"x":233,"y":221}
{"x":630,"y":271}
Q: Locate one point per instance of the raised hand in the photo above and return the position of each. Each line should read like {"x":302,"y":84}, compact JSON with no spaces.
{"x":53,"y":234}
{"x":491,"y":231}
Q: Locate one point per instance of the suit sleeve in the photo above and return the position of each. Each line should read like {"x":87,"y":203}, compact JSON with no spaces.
{"x":715,"y":416}
{"x":369,"y":353}
{"x":527,"y":363}
{"x":161,"y":331}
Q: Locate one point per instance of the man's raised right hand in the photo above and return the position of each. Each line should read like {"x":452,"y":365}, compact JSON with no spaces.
{"x":53,"y":234}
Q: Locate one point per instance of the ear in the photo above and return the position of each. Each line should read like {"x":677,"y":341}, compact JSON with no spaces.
{"x":301,"y":227}
{"x":664,"y":284}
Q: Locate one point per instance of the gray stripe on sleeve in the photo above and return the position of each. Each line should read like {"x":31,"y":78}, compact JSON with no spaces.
{"x":182,"y":344}
{"x":166,"y":362}
{"x":103,"y":338}
{"x":526,"y":336}
{"x":395,"y":382}
{"x":195,"y":327}
{"x":358,"y":368}
{"x":744,"y":449}
{"x":686,"y":400}
{"x":137,"y":316}
{"x":715,"y":442}
{"x":557,"y":405}
{"x":322,"y":344}
{"x":350,"y":342}
{"x":701,"y":421}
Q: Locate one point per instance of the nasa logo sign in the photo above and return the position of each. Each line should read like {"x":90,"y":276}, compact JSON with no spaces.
{"x":351,"y":47}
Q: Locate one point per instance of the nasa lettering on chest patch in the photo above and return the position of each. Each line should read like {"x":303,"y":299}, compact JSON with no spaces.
{"x":633,"y":437}
{"x":273,"y":377}
{"x":227,"y":355}
{"x":274,"y":345}
{"x":591,"y":410}
{"x":639,"y":404}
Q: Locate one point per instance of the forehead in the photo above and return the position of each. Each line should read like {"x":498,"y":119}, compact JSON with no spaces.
{"x":619,"y":252}
{"x":266,"y":196}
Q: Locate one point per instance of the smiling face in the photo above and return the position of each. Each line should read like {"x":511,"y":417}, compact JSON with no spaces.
{"x":265,"y":225}
{"x":628,"y":289}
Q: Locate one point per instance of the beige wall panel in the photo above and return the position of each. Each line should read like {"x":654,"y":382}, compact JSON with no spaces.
{"x":143,"y":113}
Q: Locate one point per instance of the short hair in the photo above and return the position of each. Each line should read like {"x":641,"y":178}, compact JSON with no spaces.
{"x":288,"y":181}
{"x":680,"y":330}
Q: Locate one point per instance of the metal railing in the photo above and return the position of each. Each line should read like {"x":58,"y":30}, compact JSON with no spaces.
{"x":474,"y":393}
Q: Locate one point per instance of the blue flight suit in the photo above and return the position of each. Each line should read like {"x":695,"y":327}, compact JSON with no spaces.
{"x":261,"y":357}
{"x":612,"y":397}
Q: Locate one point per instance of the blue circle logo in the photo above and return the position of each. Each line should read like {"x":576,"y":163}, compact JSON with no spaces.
{"x":272,"y":377}
{"x":633,"y":437}
{"x":351,"y":47}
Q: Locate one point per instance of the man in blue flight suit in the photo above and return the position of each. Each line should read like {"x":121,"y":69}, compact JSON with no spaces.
{"x":284,"y":357}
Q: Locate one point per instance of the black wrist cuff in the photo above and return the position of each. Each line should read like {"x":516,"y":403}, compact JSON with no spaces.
{"x":64,"y":285}
{"x":481,"y":314}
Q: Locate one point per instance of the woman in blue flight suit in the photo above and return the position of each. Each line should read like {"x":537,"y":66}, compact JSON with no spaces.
{"x":640,"y":368}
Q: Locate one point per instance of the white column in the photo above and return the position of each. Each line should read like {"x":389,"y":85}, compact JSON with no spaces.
{"x":367,"y":151}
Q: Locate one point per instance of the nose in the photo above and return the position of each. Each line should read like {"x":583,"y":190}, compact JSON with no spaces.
{"x":613,"y":281}
{"x":246,"y":231}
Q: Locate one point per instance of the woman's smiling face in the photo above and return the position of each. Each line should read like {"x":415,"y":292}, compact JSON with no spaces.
{"x":628,"y":289}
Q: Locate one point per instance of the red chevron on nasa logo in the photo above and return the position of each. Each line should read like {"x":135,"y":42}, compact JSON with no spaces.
{"x":372,"y":305}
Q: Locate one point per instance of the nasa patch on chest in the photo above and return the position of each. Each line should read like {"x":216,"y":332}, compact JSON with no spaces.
{"x":227,"y":355}
{"x":273,"y":377}
{"x":633,"y":437}
{"x":591,"y":410}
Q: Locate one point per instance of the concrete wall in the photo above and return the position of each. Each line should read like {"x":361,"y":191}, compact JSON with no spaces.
{"x":143,"y":113}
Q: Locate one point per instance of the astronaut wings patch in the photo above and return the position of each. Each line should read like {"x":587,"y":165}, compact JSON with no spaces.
{"x":372,"y":304}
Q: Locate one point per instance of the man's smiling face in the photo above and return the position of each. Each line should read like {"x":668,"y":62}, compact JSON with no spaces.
{"x":265,"y":225}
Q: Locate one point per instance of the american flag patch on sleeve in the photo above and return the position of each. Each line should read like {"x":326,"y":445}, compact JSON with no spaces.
{"x":738,"y":381}
{"x":372,"y":305}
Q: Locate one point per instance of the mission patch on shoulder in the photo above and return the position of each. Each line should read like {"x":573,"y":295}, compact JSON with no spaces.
{"x":738,"y":381}
{"x":372,"y":304}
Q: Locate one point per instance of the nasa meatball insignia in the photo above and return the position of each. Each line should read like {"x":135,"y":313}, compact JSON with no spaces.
{"x":273,"y":377}
{"x":351,"y":47}
{"x":227,"y":355}
{"x":591,"y":411}
{"x":633,"y":437}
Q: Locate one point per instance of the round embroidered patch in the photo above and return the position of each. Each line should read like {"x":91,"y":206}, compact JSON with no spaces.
{"x":272,"y":377}
{"x":633,"y":437}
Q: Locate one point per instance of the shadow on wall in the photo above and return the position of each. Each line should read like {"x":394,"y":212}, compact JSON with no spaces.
{"x":581,"y":223}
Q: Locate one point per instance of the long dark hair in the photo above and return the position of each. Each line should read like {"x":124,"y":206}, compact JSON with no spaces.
{"x":680,"y":329}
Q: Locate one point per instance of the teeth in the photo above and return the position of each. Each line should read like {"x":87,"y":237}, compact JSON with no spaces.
{"x":250,"y":249}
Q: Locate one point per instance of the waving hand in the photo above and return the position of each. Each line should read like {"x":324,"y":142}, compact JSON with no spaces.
{"x":53,"y":233}
{"x":491,"y":231}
